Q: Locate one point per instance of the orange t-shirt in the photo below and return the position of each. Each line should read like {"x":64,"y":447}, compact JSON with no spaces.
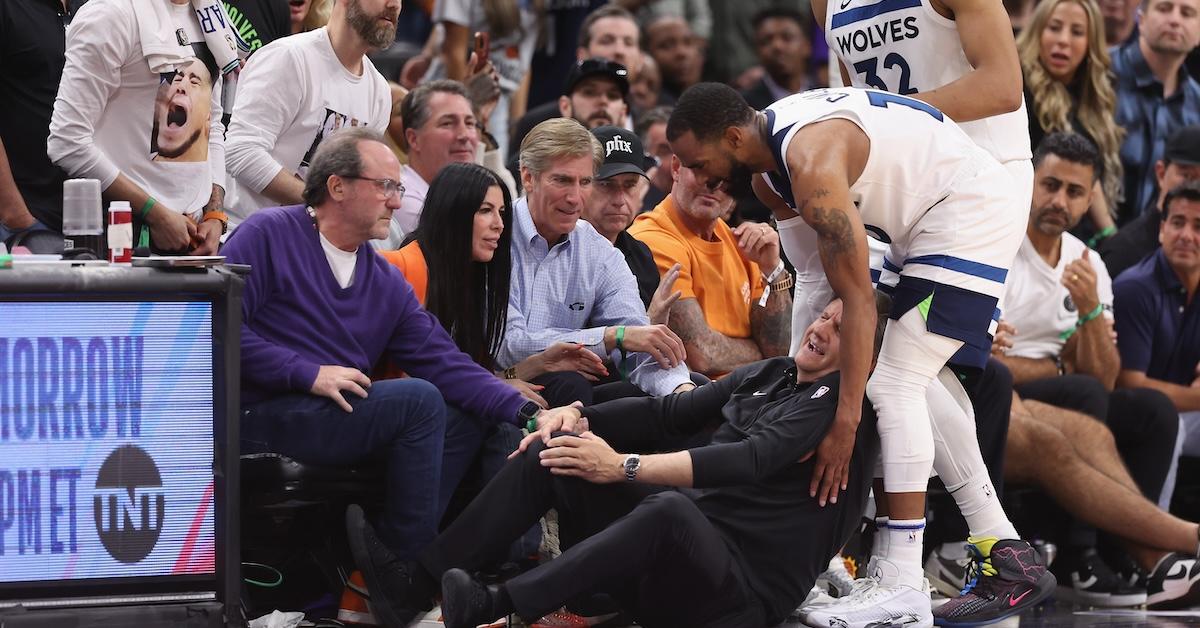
{"x":715,"y":273}
{"x":411,"y":262}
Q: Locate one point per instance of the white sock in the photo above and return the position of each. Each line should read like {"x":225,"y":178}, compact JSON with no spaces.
{"x":879,"y":544}
{"x":905,"y":539}
{"x":976,"y":499}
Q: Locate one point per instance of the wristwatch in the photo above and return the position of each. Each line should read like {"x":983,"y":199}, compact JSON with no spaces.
{"x":632,"y":464}
{"x":527,"y":415}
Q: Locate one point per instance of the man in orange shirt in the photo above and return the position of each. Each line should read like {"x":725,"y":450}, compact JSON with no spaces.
{"x":736,"y":301}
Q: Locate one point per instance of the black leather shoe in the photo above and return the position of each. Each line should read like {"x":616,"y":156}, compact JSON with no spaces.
{"x":387,"y":577}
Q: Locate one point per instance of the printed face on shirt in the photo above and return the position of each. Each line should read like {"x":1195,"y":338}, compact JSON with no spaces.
{"x":821,"y":345}
{"x":1171,"y":27}
{"x":1062,"y":191}
{"x":557,"y":196}
{"x":487,"y":226}
{"x":1179,"y":234}
{"x":595,"y":102}
{"x":374,"y":21}
{"x":613,"y":203}
{"x":182,"y":108}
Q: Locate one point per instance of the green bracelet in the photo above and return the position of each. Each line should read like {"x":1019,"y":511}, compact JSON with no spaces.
{"x":1101,"y":235}
{"x":621,"y":338}
{"x":531,"y":426}
{"x":1091,"y":316}
{"x":147,"y":206}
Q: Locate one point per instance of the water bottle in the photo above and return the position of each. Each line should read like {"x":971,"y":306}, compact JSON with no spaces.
{"x":83,"y":219}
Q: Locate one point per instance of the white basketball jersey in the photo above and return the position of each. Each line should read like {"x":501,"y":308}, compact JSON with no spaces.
{"x":906,"y":47}
{"x":917,"y":153}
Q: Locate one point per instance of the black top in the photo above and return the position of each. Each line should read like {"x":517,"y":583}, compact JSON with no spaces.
{"x":749,"y":481}
{"x":1133,"y":243}
{"x":641,"y":262}
{"x":33,"y":41}
{"x":259,"y":22}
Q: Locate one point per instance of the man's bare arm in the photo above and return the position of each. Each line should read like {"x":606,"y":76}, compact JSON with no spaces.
{"x":13,"y":212}
{"x":1094,"y":353}
{"x":771,"y":325}
{"x":708,"y":351}
{"x":1026,"y":370}
{"x":994,"y":85}
{"x":285,"y":188}
{"x":1186,"y":399}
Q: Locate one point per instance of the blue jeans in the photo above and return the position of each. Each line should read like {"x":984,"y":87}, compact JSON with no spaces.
{"x":402,"y":422}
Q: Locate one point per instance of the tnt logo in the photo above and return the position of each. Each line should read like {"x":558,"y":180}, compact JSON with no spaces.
{"x":129,"y":504}
{"x":617,"y":143}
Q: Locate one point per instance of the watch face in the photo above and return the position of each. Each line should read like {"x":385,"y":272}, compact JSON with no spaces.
{"x":529,"y":410}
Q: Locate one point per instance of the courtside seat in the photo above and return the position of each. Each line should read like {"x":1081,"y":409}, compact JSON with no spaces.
{"x":293,"y":521}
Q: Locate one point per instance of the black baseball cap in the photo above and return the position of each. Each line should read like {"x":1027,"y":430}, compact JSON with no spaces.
{"x":597,"y":66}
{"x":1183,"y":146}
{"x":623,"y":152}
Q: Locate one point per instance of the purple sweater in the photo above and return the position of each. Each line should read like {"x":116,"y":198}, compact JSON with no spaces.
{"x":296,"y":318}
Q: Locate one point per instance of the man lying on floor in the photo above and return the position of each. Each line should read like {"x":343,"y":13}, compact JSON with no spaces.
{"x":727,"y":534}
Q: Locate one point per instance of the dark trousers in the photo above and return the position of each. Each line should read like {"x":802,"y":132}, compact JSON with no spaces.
{"x":1144,"y":424}
{"x":649,"y":547}
{"x":990,"y":391}
{"x":400,"y":424}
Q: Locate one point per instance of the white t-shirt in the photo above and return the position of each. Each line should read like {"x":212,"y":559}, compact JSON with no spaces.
{"x":293,"y":93}
{"x":405,"y":219}
{"x":341,"y":262}
{"x":1039,"y":306}
{"x":113,"y":115}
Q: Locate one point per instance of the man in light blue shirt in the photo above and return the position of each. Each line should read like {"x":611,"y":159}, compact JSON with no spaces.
{"x":569,"y":284}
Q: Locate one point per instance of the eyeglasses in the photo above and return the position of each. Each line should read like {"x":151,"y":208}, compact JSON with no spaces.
{"x":389,"y":187}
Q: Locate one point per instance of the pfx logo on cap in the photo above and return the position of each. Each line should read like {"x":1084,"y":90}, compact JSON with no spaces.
{"x":617,"y":143}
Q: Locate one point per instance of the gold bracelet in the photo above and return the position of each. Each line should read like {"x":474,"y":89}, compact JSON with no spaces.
{"x":783,"y":284}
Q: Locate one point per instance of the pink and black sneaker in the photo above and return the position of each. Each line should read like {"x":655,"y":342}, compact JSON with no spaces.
{"x":1003,"y":579}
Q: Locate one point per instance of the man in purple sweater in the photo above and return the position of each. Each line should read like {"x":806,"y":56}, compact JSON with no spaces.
{"x":320,"y":308}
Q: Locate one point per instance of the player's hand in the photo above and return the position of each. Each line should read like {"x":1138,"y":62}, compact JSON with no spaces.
{"x":658,"y":341}
{"x":332,"y":380}
{"x":759,"y":243}
{"x":1003,"y":340}
{"x":207,"y":238}
{"x":585,"y":456}
{"x":1079,"y":278}
{"x":831,"y":474}
{"x":528,"y":391}
{"x":564,"y":419}
{"x":567,"y":356}
{"x":665,"y":296}
{"x":169,"y":229}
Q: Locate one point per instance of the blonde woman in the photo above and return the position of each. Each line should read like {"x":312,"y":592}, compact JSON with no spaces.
{"x":1067,"y":88}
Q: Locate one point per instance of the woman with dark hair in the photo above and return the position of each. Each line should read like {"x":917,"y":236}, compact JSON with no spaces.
{"x":458,"y":263}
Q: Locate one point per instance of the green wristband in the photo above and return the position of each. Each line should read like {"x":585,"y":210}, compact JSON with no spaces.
{"x":1103,"y":234}
{"x":531,"y":426}
{"x":621,"y":338}
{"x":1091,"y":316}
{"x":147,"y":206}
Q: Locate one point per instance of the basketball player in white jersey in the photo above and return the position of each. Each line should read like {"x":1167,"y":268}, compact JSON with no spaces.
{"x":849,"y":162}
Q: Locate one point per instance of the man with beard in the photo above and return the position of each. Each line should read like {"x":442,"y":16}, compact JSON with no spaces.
{"x":848,"y":162}
{"x":181,"y":113}
{"x":1060,"y":302}
{"x":736,"y":305}
{"x":296,"y":90}
{"x":1155,"y":93}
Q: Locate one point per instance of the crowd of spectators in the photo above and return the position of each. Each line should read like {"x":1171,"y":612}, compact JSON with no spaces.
{"x":553,"y":253}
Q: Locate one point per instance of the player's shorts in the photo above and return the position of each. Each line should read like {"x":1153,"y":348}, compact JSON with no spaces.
{"x":955,"y":261}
